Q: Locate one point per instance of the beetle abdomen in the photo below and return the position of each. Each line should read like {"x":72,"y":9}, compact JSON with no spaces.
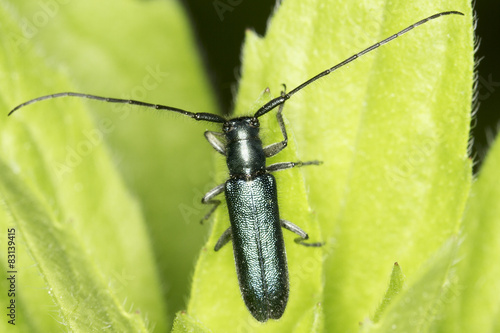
{"x":258,"y":246}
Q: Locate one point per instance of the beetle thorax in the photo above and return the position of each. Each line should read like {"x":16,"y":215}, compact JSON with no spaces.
{"x":244,"y":152}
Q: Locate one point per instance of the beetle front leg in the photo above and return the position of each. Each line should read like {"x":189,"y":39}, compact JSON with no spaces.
{"x":212,"y":138}
{"x":275,"y":148}
{"x":208,"y":200}
{"x":302,"y":234}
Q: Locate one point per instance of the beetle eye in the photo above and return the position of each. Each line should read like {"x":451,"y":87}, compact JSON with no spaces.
{"x":254,"y":122}
{"x":227,"y":127}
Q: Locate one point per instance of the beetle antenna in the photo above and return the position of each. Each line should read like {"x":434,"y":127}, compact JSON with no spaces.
{"x":196,"y":116}
{"x":281,"y":99}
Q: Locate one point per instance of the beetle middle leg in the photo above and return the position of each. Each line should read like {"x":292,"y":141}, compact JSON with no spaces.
{"x":302,"y":234}
{"x":208,"y":199}
{"x":288,"y":165}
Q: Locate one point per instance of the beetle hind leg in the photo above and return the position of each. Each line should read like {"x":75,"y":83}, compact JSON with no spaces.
{"x":303,"y":236}
{"x":224,"y":239}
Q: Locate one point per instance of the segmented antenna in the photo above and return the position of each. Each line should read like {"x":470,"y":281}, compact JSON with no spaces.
{"x":281,"y":99}
{"x":197,"y":116}
{"x":263,"y":109}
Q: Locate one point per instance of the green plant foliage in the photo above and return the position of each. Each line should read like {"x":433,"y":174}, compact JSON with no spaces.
{"x":185,"y":323}
{"x":391,"y":128}
{"x":395,"y":287}
{"x":70,"y":167}
{"x":474,"y":301}
{"x":79,"y":293}
{"x":418,"y":306}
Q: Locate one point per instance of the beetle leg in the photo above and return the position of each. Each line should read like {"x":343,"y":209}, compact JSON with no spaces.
{"x":302,"y":234}
{"x":275,"y":148}
{"x":212,"y":138}
{"x":288,"y":165}
{"x":208,"y":200}
{"x":224,"y":239}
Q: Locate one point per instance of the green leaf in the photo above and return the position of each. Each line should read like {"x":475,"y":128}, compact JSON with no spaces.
{"x":476,"y":299}
{"x":392,"y":131}
{"x":82,"y":300}
{"x":415,"y":309}
{"x":396,"y":285}
{"x":185,"y":323}
{"x":69,"y":166}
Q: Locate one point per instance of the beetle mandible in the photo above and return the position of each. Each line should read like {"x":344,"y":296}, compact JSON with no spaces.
{"x":251,"y":192}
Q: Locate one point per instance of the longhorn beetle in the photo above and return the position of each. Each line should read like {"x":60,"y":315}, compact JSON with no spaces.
{"x":251,"y":193}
